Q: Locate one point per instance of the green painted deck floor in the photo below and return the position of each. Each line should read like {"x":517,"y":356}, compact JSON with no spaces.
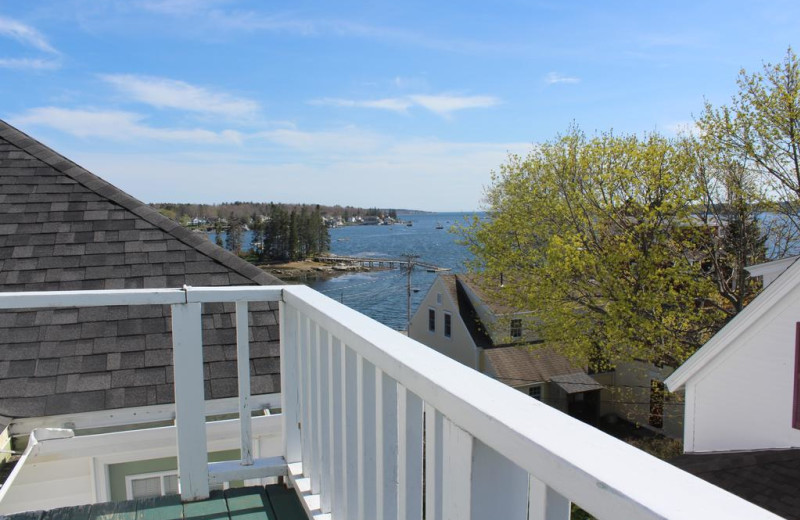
{"x":275,"y":502}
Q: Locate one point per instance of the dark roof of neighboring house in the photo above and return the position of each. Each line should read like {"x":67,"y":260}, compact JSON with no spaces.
{"x":466,"y":311}
{"x":63,"y":228}
{"x":519,"y":365}
{"x":767,"y":478}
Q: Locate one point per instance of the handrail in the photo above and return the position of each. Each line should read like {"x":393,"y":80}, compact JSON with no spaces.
{"x":353,"y":394}
{"x":605,"y":476}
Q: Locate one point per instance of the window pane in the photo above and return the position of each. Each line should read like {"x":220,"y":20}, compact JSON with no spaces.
{"x":146,"y":487}
{"x":447,"y":325}
{"x":431,"y":320}
{"x":171,"y":485}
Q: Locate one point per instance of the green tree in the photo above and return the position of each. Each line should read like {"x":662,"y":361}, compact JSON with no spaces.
{"x":595,"y":238}
{"x":761,"y":128}
{"x":233,"y":239}
{"x":218,"y":233}
{"x":730,"y":205}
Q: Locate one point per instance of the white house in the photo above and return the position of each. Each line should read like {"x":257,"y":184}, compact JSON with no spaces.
{"x":459,"y":320}
{"x":742,"y":423}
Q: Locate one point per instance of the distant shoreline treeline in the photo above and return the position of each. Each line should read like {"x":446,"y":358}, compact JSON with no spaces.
{"x":247,"y":210}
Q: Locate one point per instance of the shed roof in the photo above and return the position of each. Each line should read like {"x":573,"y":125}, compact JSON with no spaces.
{"x":63,"y":228}
{"x":518,"y":365}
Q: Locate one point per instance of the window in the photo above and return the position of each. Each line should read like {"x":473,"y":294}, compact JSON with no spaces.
{"x":438,"y":298}
{"x":447,"y":325}
{"x":516,"y":328}
{"x":152,"y":484}
{"x":431,"y":320}
{"x":535,"y":392}
{"x":796,"y":403}
{"x":656,"y":403}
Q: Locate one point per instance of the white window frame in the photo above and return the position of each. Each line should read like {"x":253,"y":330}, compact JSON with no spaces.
{"x":518,"y":330}
{"x":141,"y":476}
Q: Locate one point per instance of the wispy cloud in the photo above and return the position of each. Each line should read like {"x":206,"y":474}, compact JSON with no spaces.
{"x":393,"y":104}
{"x":28,"y":63}
{"x":217,"y":17}
{"x":442,"y":105}
{"x":553,"y":78}
{"x":117,"y":126}
{"x":25,"y":34}
{"x":169,"y":93}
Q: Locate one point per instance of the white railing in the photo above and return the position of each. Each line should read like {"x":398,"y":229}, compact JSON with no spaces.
{"x":366,"y":408}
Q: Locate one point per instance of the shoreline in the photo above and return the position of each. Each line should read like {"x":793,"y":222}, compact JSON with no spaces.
{"x":309,"y":270}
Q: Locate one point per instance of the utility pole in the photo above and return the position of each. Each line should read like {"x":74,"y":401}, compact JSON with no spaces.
{"x":409,"y":265}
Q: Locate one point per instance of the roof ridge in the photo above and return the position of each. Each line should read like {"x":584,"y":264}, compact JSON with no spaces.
{"x":107,"y":190}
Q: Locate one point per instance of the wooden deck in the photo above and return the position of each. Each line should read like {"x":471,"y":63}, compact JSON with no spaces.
{"x":274,"y":502}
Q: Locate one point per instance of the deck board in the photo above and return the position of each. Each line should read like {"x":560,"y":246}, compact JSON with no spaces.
{"x":215,"y":508}
{"x":275,"y":502}
{"x":249,"y":504}
{"x":285,"y":503}
{"x":159,"y":508}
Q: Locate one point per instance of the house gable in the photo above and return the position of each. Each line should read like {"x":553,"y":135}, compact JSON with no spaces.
{"x":63,"y":228}
{"x":740,"y":385}
{"x":461,"y":344}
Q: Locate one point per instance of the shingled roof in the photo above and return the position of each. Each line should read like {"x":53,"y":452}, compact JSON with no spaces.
{"x":63,"y":228}
{"x":767,"y":478}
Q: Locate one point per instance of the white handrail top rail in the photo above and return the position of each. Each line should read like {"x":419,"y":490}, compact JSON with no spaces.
{"x":602,"y":474}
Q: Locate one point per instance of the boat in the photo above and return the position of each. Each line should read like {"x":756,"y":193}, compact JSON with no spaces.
{"x":439,"y":225}
{"x":409,"y":223}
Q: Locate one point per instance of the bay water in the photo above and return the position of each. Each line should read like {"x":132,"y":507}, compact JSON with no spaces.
{"x":382,"y":295}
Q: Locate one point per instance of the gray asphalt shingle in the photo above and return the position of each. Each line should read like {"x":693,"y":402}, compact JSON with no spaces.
{"x":63,"y":228}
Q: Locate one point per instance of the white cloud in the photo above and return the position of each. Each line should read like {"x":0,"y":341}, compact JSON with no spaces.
{"x":28,"y":63}
{"x":393,"y":104}
{"x":117,"y":126}
{"x":444,"y":104}
{"x":439,"y":104}
{"x":25,"y":34}
{"x":169,"y":93}
{"x":348,"y":140}
{"x":553,"y":78}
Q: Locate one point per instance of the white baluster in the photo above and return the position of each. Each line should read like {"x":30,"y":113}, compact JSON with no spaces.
{"x":409,"y":456}
{"x":545,"y":503}
{"x":243,"y":366}
{"x":499,"y":487}
{"x":289,"y":383}
{"x":190,"y":420}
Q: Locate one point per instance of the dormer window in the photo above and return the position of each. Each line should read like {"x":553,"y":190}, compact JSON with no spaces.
{"x":516,"y":328}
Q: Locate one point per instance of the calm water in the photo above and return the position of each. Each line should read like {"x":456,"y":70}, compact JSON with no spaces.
{"x":382,"y":294}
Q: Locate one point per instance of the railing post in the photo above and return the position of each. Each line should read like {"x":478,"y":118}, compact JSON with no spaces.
{"x":289,"y":381}
{"x":190,"y":420}
{"x":243,"y":365}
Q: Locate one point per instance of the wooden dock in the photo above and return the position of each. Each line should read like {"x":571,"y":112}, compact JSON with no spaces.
{"x":391,"y":263}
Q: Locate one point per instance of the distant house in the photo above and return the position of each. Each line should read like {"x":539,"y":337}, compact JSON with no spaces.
{"x":458,"y":320}
{"x":63,"y":228}
{"x":742,"y":424}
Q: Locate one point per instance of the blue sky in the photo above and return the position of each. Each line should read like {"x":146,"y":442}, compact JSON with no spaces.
{"x":389,"y":104}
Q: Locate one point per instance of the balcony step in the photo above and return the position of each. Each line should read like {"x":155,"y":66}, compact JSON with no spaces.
{"x":226,"y":471}
{"x":302,"y":485}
